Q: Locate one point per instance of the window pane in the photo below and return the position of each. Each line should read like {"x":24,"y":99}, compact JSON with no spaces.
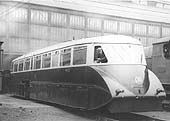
{"x":77,"y":21}
{"x":37,"y":62}
{"x":125,"y":27}
{"x":165,"y":31}
{"x":79,"y":55}
{"x":18,"y":14}
{"x":139,"y":29}
{"x":76,"y":34}
{"x":154,"y":31}
{"x":110,"y":26}
{"x":46,"y":60}
{"x":40,"y":17}
{"x":65,"y":57}
{"x":27,"y":64}
{"x":15,"y":66}
{"x":55,"y":57}
{"x":21,"y":64}
{"x":58,"y":19}
{"x":93,"y":34}
{"x":94,"y":23}
{"x":31,"y":62}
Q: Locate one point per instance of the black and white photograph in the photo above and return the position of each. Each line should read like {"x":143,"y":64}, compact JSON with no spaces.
{"x":84,"y":60}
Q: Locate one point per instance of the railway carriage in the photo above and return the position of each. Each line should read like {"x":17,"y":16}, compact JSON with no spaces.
{"x":107,"y":71}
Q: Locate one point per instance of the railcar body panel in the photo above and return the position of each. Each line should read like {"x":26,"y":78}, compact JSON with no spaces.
{"x":80,"y":87}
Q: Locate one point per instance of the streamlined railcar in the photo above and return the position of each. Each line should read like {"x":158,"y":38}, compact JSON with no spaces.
{"x":100,"y":72}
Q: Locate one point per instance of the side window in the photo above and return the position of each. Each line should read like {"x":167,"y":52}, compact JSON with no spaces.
{"x":46,"y":60}
{"x":37,"y":62}
{"x":166,"y":50}
{"x":55,"y":58}
{"x":65,"y":57}
{"x":31,"y":62}
{"x":79,"y":55}
{"x":12,"y":67}
{"x":15,"y":66}
{"x":99,"y":56}
{"x":27,"y":64}
{"x":21,"y":65}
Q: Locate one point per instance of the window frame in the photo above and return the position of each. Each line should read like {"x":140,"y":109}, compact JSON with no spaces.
{"x":80,"y":46}
{"x":17,"y":69}
{"x":61,"y":54}
{"x":29,"y":64}
{"x":34,"y":63}
{"x":42,"y":59}
{"x":21,"y":62}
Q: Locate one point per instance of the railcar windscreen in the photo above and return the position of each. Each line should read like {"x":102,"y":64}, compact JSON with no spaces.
{"x":124,"y":53}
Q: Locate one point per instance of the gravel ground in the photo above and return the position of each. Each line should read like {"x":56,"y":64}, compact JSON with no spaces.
{"x":15,"y":109}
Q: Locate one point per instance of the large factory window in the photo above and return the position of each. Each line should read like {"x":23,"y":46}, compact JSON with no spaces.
{"x":76,"y":34}
{"x":39,"y":17}
{"x":65,"y":57}
{"x":79,"y":55}
{"x":93,"y":34}
{"x":46,"y":60}
{"x":27,"y":64}
{"x":38,"y":31}
{"x":165,"y":31}
{"x":154,"y":31}
{"x":58,"y":19}
{"x":3,"y":9}
{"x":55,"y":58}
{"x":140,"y":29}
{"x":77,"y":21}
{"x":59,"y":34}
{"x":94,"y":24}
{"x":19,"y":15}
{"x":110,"y":26}
{"x":37,"y":62}
{"x":125,"y":27}
{"x":21,"y":65}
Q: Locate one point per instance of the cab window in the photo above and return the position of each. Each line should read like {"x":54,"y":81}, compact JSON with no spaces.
{"x":79,"y":55}
{"x":99,"y":56}
{"x":166,"y":50}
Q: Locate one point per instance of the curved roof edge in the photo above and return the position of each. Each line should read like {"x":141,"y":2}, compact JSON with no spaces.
{"x":112,"y":39}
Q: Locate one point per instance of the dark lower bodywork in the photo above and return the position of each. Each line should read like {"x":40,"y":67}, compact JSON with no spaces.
{"x":90,"y":87}
{"x":80,"y":87}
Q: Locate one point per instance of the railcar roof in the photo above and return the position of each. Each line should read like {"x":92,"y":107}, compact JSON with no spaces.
{"x":110,"y":39}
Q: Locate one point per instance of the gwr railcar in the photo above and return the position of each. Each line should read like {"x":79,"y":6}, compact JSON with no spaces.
{"x":107,"y":71}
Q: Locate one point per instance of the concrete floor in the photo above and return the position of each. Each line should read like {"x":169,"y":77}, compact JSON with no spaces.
{"x":16,"y":109}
